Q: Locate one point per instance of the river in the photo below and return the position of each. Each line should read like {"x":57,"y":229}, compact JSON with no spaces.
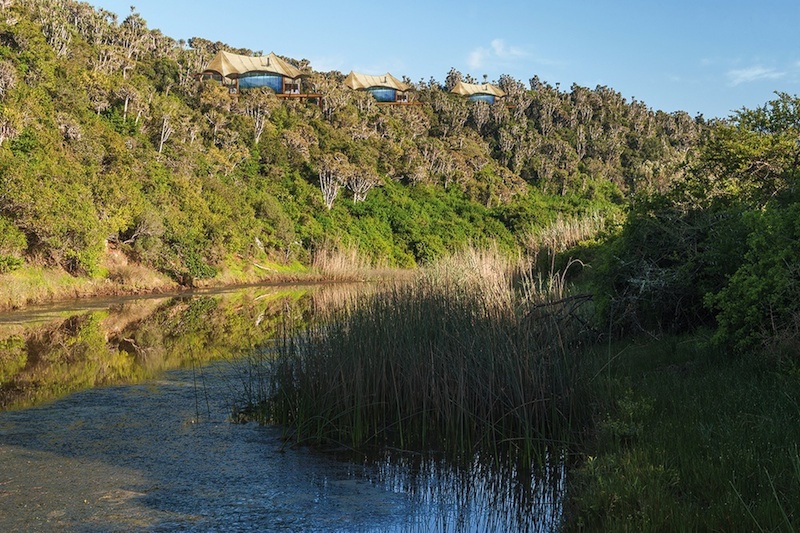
{"x":116,"y":417}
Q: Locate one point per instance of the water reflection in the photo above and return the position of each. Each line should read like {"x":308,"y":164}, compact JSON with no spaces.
{"x":66,"y":350}
{"x":153,"y":449}
{"x":481,"y":496}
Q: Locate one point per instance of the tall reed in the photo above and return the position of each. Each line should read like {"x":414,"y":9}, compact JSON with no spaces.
{"x":456,"y":360}
{"x":337,"y":262}
{"x":545,"y":243}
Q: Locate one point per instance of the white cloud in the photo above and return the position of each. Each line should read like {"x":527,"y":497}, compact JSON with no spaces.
{"x":503,"y":51}
{"x":477,"y":58}
{"x":751,"y":74}
{"x":497,"y":52}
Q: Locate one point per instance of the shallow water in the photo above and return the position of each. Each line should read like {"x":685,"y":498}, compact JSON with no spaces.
{"x":158,"y":452}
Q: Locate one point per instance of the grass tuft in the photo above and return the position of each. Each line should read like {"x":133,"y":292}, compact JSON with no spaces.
{"x":688,"y":439}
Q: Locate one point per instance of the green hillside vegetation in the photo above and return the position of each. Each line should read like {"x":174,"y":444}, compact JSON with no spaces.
{"x":720,"y":246}
{"x":695,"y":432}
{"x":108,"y":139}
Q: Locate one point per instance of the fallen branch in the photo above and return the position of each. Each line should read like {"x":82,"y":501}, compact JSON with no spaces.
{"x":262,"y":267}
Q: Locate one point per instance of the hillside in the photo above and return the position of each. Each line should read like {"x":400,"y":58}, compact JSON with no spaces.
{"x":109,"y":139}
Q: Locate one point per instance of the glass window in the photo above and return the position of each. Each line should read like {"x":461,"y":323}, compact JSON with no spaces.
{"x":383,"y":94}
{"x":251,"y":80}
{"x":482,"y":98}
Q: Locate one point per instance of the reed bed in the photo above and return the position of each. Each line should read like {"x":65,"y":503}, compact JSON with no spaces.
{"x":340,"y":263}
{"x":565,"y":232}
{"x":456,"y":360}
{"x":545,"y":243}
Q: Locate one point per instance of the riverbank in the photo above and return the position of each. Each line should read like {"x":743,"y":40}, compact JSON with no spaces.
{"x":32,"y":285}
{"x":36,"y":285}
{"x":689,"y":437}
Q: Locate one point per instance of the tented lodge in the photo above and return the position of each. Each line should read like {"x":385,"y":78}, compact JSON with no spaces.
{"x":238,"y":72}
{"x":476,"y":92}
{"x":244,"y":72}
{"x":384,"y":88}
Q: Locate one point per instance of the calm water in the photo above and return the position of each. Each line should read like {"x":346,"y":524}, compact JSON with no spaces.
{"x":116,"y":419}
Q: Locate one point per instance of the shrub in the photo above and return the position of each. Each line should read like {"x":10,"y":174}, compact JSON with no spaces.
{"x":196,"y":266}
{"x":12,"y":246}
{"x":656,"y":273}
{"x":762,"y":297}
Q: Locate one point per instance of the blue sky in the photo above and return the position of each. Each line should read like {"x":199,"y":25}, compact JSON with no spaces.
{"x":699,"y":56}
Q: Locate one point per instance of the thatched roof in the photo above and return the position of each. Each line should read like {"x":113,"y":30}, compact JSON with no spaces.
{"x":471,"y":89}
{"x":355,"y":80}
{"x":233,"y":65}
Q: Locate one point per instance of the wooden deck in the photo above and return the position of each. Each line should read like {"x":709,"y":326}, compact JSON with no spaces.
{"x":300,"y":96}
{"x":399,"y":103}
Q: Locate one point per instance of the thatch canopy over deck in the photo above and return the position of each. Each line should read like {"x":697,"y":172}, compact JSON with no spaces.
{"x":232,"y":66}
{"x":357,"y":81}
{"x":477,"y":89}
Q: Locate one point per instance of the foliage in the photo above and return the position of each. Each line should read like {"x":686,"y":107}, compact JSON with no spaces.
{"x":659,"y":268}
{"x":687,"y":439}
{"x":106,"y":136}
{"x":762,"y":298}
{"x":720,"y":244}
{"x":12,"y":246}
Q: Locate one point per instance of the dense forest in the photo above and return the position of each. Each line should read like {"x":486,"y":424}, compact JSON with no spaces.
{"x":108,"y":139}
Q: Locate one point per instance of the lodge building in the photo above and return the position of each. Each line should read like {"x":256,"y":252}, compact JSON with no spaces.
{"x":478,"y":92}
{"x":238,"y":72}
{"x":386,"y":89}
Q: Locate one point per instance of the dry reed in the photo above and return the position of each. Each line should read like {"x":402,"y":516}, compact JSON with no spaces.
{"x":543,"y":244}
{"x":339,"y":263}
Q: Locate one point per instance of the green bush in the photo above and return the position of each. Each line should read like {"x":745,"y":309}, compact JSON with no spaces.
{"x":196,"y":266}
{"x":657,"y":272}
{"x":762,"y":297}
{"x":12,"y":246}
{"x":9,"y":263}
